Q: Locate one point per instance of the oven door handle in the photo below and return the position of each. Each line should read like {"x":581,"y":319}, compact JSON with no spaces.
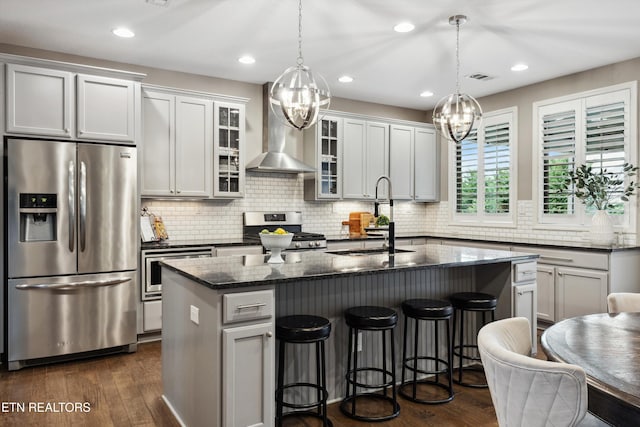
{"x":73,"y":285}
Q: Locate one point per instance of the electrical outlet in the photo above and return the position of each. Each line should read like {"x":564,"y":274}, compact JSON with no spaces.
{"x":195,"y":314}
{"x":359,"y":342}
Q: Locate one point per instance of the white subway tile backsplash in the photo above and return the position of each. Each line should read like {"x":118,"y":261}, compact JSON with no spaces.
{"x":222,"y":219}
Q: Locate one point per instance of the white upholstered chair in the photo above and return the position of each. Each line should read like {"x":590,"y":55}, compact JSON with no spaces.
{"x":526,"y":391}
{"x":620,"y":302}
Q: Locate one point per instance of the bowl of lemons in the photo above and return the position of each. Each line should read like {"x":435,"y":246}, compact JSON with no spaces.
{"x":275,"y":242}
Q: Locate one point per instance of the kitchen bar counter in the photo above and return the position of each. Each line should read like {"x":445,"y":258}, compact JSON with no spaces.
{"x":218,"y":337}
{"x":253,"y":270}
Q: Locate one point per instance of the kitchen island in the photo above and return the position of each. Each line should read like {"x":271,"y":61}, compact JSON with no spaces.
{"x":218,"y":343}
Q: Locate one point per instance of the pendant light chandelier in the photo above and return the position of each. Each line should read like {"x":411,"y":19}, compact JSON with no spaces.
{"x":296,"y":97}
{"x":455,"y":114}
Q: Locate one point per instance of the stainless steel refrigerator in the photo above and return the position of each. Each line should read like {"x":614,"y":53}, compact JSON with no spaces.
{"x":72,"y":236}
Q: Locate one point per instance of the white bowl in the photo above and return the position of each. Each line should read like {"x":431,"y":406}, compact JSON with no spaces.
{"x":275,"y":243}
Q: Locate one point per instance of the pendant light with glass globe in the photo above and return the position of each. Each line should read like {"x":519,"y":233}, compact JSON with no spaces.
{"x":455,"y":115}
{"x":297,"y":96}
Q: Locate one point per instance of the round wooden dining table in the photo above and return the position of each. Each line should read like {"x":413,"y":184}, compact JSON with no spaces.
{"x":607,"y":347}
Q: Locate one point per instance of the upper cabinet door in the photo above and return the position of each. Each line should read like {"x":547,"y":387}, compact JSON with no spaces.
{"x":426,"y":166}
{"x":105,"y":108}
{"x":194,"y":146}
{"x":377,"y":155}
{"x":158,"y":144}
{"x":401,"y":161}
{"x":39,"y":101}
{"x":354,"y":146}
{"x":228,"y":149}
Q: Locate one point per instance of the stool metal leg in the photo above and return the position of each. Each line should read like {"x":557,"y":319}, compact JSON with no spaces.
{"x":384,"y":361}
{"x":318,"y":376}
{"x":323,"y":384}
{"x":280,"y":390}
{"x":355,"y":371}
{"x":437,"y":353}
{"x":404,"y":347}
{"x":414,"y":389}
{"x":394,"y":391}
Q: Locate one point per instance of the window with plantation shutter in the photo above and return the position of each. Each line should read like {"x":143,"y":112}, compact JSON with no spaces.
{"x":483,"y":173}
{"x":497,"y":164}
{"x":467,"y":174}
{"x":558,"y":158}
{"x":592,"y":128}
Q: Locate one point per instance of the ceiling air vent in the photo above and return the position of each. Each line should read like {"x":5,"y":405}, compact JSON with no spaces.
{"x":479,"y":76}
{"x":158,"y":2}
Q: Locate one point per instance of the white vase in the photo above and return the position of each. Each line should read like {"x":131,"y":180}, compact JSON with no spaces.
{"x":601,"y":232}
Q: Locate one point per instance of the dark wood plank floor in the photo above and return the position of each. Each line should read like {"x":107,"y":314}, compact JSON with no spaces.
{"x":125,"y":390}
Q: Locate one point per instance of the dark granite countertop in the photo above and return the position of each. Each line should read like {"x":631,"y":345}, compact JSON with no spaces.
{"x":540,"y":243}
{"x":177,"y":244}
{"x":253,"y":270}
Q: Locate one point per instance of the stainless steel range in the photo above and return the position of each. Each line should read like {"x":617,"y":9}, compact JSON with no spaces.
{"x":291,"y":221}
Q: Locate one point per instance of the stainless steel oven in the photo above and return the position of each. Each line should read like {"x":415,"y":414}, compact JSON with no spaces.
{"x":151,"y":276}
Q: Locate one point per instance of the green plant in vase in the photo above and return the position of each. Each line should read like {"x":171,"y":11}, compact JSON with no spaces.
{"x":601,"y":189}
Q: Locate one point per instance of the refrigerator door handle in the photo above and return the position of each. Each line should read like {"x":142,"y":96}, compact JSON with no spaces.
{"x":72,"y":205}
{"x":73,"y":285}
{"x":83,"y":205}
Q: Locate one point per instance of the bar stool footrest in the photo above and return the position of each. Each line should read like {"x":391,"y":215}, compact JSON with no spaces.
{"x":412,"y":368}
{"x":309,"y":405}
{"x":429,"y":382}
{"x":369,"y":386}
{"x":305,"y":414}
{"x":345,"y":407}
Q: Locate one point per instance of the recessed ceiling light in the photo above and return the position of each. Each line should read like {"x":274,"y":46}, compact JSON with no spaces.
{"x":247,"y":59}
{"x":123,"y":32}
{"x":345,"y":79}
{"x":404,"y":27}
{"x":519,"y":67}
{"x":426,"y":94}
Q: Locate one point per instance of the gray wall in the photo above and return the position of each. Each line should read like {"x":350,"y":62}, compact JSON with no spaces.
{"x":524,"y":97}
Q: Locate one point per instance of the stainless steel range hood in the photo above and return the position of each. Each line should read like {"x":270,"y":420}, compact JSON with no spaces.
{"x":274,"y":135}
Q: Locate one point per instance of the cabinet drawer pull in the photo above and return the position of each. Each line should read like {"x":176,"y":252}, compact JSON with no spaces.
{"x":554,"y":258}
{"x":269,"y":334}
{"x":560,"y":273}
{"x":248,"y":306}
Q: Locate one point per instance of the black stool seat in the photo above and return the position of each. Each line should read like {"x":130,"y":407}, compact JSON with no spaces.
{"x":302,"y":328}
{"x":371,"y":317}
{"x":473,"y":301}
{"x":427,"y":308}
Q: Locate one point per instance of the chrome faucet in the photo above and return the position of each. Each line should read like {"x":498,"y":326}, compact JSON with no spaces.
{"x":392,"y":226}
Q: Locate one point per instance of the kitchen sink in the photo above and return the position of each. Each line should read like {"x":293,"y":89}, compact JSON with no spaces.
{"x":369,"y":251}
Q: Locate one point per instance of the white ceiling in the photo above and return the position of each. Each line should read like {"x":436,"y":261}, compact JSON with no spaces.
{"x":354,"y":37}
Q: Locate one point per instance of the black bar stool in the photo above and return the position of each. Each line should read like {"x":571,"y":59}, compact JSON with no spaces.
{"x":435,"y":312}
{"x":303,"y":329}
{"x":473,"y":302}
{"x":370,"y":318}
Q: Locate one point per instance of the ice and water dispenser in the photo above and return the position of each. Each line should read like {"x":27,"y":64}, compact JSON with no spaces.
{"x":38,"y":217}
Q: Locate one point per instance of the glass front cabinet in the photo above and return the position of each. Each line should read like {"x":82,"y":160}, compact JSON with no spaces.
{"x":326,"y":137}
{"x":228,"y":165}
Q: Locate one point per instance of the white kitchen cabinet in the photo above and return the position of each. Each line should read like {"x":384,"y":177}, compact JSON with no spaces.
{"x":47,"y":102}
{"x":580,"y":291}
{"x":106,"y":109}
{"x":575,"y":282}
{"x":229,"y":151}
{"x":248,"y":360}
{"x":546,"y":280}
{"x":218,"y":353}
{"x":401,"y":161}
{"x":324,"y":152}
{"x":365,"y":158}
{"x":524,"y":305}
{"x":414,"y":163}
{"x":39,"y":101}
{"x":177,"y":145}
{"x":426,"y":160}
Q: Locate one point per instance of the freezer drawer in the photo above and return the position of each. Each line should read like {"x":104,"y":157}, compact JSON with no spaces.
{"x":64,"y":315}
